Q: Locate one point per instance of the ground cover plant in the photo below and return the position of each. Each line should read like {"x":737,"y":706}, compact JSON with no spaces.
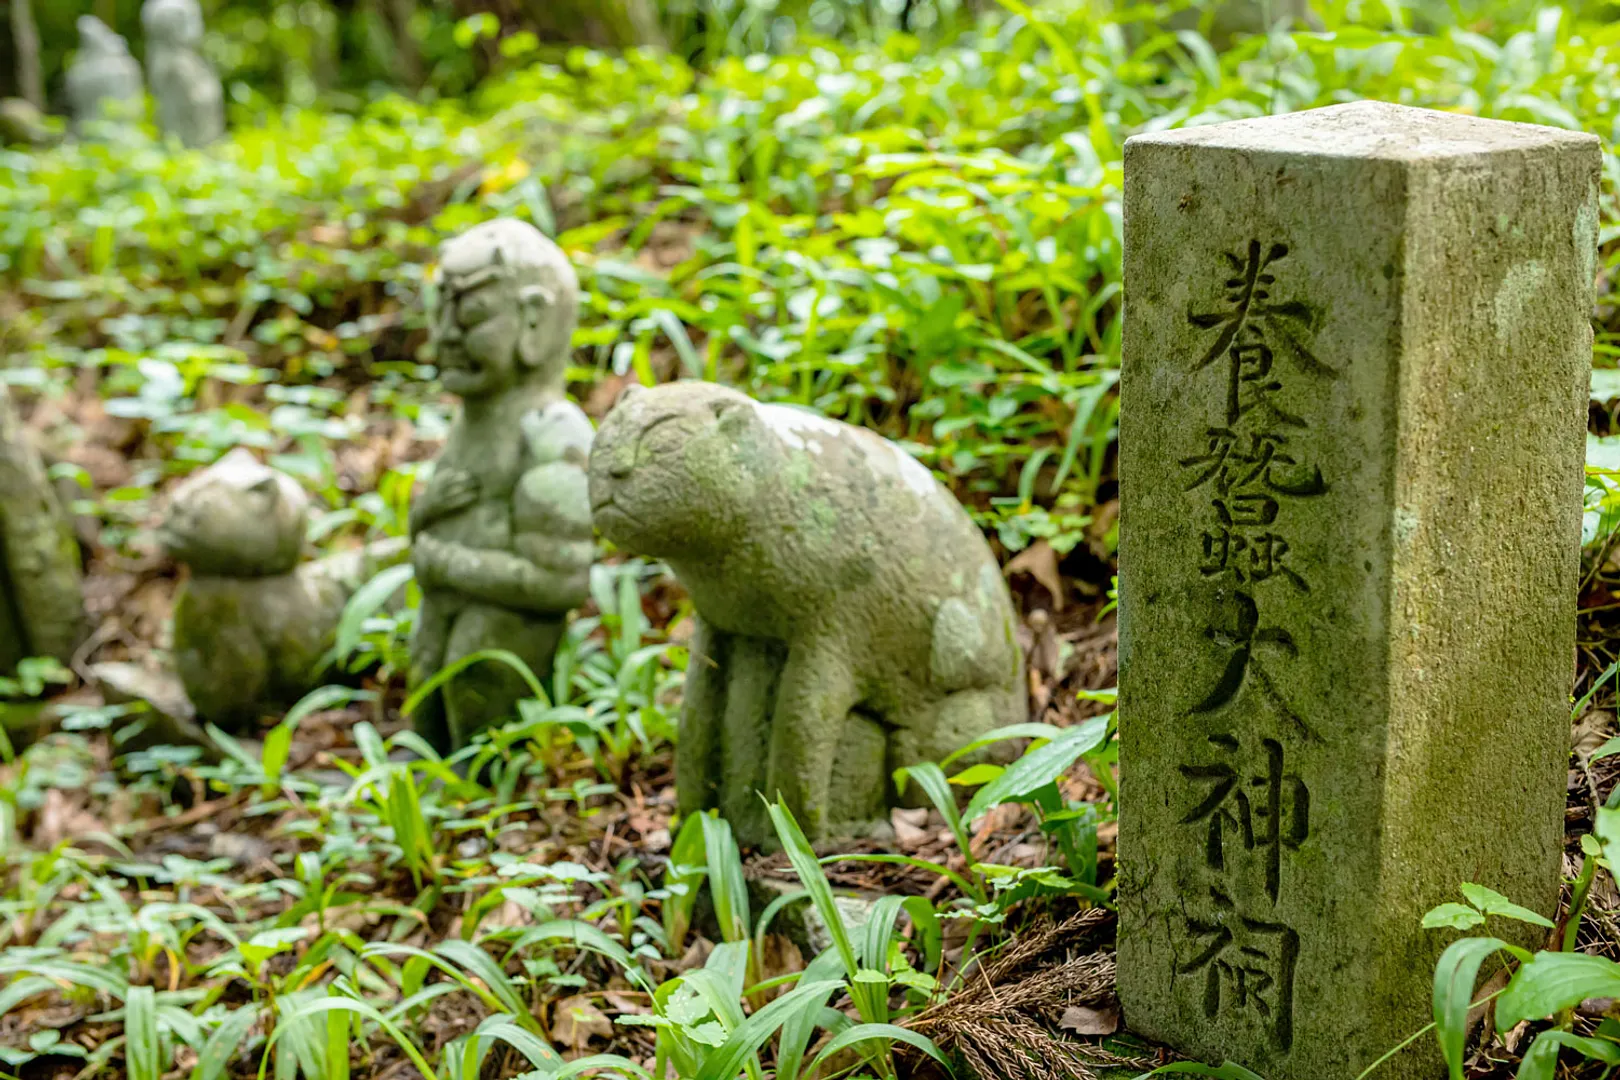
{"x":919,"y":234}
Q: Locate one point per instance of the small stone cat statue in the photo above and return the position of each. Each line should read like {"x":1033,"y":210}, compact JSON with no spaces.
{"x":252,"y":622}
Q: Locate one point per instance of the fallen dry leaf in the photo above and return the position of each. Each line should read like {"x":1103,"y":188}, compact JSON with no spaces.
{"x":1083,"y":1020}
{"x":779,"y":957}
{"x":1040,"y":562}
{"x":908,"y":827}
{"x":574,"y":1020}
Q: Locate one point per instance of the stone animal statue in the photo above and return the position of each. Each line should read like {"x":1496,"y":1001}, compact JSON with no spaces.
{"x":850,"y":617}
{"x":190,"y":101}
{"x":252,"y":622}
{"x":41,"y":608}
{"x":501,"y":536}
{"x":104,"y":82}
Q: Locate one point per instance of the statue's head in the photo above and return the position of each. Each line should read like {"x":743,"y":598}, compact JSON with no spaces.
{"x":175,"y":23}
{"x":508,"y":305}
{"x":99,"y":39}
{"x":674,"y":469}
{"x":236,"y":518}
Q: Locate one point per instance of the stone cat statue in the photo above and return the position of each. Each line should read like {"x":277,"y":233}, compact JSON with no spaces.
{"x":252,"y":622}
{"x":851,"y":618}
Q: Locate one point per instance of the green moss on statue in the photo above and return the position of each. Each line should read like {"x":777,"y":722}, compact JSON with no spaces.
{"x":501,"y":536}
{"x":851,"y":618}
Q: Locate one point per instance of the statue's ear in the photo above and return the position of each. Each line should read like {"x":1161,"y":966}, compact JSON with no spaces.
{"x":734,"y":416}
{"x":533,"y":302}
{"x":267,"y":489}
{"x":535,"y":299}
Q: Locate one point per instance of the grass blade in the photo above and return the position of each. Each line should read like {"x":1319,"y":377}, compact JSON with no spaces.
{"x":808,"y":869}
{"x":752,"y":1033}
{"x":143,"y":1054}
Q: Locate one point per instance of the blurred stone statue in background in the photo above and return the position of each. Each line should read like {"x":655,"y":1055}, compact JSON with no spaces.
{"x":190,"y":101}
{"x":501,"y":536}
{"x":104,"y":81}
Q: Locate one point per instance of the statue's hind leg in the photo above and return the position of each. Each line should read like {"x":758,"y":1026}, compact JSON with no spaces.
{"x":933,"y":732}
{"x":813,"y":703}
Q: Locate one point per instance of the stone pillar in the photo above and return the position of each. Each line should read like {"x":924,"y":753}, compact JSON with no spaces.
{"x":1351,"y":439}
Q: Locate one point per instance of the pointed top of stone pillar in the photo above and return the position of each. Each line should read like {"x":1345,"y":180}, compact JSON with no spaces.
{"x":1377,"y":130}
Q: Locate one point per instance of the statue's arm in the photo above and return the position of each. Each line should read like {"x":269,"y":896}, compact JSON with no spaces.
{"x":501,"y":577}
{"x":548,"y":568}
{"x":450,"y":491}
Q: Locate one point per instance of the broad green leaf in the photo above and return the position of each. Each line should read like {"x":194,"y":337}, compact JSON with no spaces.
{"x":338,"y":1029}
{"x":801,"y":1024}
{"x":1453,"y":916}
{"x":20,"y":990}
{"x":1552,"y":981}
{"x":974,"y":775}
{"x":1541,"y":1060}
{"x":1454,"y":978}
{"x":1492,"y":902}
{"x":267,"y":943}
{"x":1607,"y":830}
{"x":1038,"y":767}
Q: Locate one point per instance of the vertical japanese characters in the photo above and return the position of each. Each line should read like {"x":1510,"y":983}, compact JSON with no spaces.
{"x":1251,"y":465}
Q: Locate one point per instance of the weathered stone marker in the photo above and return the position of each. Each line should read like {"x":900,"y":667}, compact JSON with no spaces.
{"x":1352,"y":419}
{"x":41,"y":610}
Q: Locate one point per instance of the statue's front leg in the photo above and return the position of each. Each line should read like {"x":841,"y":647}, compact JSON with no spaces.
{"x":753,"y":674}
{"x":813,"y":702}
{"x":697,"y":752}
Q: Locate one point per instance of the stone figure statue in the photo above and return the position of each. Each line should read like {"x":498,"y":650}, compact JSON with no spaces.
{"x":41,"y":608}
{"x":104,"y":81}
{"x":252,"y":622}
{"x":850,"y":617}
{"x":190,"y":101}
{"x":501,"y":536}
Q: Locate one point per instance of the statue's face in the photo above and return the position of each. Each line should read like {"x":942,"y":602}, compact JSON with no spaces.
{"x":673,"y":468}
{"x":479,"y":328}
